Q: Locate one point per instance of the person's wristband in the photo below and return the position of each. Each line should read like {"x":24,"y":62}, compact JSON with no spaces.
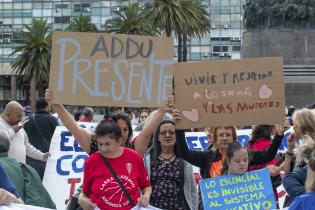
{"x":289,"y":153}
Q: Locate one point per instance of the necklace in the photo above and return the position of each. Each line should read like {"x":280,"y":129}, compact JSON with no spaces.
{"x":167,"y":159}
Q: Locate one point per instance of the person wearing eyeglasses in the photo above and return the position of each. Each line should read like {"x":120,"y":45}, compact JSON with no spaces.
{"x":211,"y":161}
{"x":172,"y":179}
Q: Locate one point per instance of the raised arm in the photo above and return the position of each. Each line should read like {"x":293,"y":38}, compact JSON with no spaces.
{"x":82,"y":135}
{"x":264,"y":156}
{"x":196,"y":158}
{"x":150,"y":126}
{"x":289,"y":154}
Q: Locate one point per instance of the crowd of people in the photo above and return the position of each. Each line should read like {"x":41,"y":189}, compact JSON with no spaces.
{"x":155,"y":167}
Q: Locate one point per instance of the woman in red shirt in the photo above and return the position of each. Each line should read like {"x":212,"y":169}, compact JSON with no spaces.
{"x":261,"y":140}
{"x":99,"y":184}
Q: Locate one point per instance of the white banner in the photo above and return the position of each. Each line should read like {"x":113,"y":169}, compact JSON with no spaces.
{"x":64,"y":169}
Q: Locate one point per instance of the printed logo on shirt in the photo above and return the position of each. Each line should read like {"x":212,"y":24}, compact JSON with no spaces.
{"x":116,"y":197}
{"x":129,"y":167}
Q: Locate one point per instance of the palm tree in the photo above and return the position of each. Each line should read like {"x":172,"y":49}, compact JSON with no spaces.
{"x":82,"y":24}
{"x":198,"y":24}
{"x":183,"y":17}
{"x":129,"y":21}
{"x":33,"y":60}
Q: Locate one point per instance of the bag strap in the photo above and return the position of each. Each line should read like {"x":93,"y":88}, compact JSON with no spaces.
{"x":118,"y":181}
{"x":40,"y":133}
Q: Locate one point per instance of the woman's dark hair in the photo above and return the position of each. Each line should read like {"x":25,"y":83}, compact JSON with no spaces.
{"x":77,"y":116}
{"x":105,"y":128}
{"x":144,"y":110}
{"x":155,"y":149}
{"x":234,"y":146}
{"x":41,"y":104}
{"x":261,"y":131}
{"x":122,"y":116}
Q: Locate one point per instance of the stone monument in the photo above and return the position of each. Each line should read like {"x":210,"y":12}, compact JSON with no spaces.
{"x":284,"y":28}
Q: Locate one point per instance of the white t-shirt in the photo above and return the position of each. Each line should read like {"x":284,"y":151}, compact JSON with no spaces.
{"x":19,"y":144}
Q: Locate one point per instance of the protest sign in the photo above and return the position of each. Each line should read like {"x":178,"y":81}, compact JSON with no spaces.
{"x":252,"y":190}
{"x":64,"y":169}
{"x":199,"y":141}
{"x":232,"y":92}
{"x":110,"y":69}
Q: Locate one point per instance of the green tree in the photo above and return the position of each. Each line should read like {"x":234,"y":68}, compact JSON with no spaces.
{"x":129,"y":21}
{"x":198,"y":23}
{"x":184,"y":18}
{"x":82,"y":24}
{"x":33,"y":60}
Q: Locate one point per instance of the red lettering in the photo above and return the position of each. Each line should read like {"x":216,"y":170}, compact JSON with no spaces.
{"x":229,"y":107}
{"x":251,"y":106}
{"x":213,"y":108}
{"x":72,"y":182}
{"x":205,"y":106}
{"x":221,"y":108}
{"x":241,"y":107}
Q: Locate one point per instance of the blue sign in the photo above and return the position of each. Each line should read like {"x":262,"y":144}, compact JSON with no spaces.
{"x":252,"y":190}
{"x":199,"y":141}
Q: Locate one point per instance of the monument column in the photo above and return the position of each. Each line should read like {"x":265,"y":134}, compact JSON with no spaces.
{"x":285,"y":29}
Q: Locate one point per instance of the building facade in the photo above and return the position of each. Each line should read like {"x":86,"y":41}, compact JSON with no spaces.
{"x":223,"y":41}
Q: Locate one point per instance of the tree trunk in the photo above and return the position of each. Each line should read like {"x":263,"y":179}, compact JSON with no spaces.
{"x":33,"y":94}
{"x":40,"y":89}
{"x":179,"y":49}
{"x":184,"y":48}
{"x":13,"y":87}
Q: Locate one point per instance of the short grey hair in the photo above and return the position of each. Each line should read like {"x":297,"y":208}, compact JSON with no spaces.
{"x":4,"y":142}
{"x":88,"y":112}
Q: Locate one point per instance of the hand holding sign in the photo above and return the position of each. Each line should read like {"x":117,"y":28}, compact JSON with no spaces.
{"x":170,"y":103}
{"x":176,"y":115}
{"x":48,"y":95}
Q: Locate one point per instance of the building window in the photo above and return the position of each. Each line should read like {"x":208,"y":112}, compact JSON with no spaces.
{"x":216,"y":49}
{"x":220,"y":48}
{"x":17,"y":5}
{"x":236,"y":48}
{"x":64,"y":19}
